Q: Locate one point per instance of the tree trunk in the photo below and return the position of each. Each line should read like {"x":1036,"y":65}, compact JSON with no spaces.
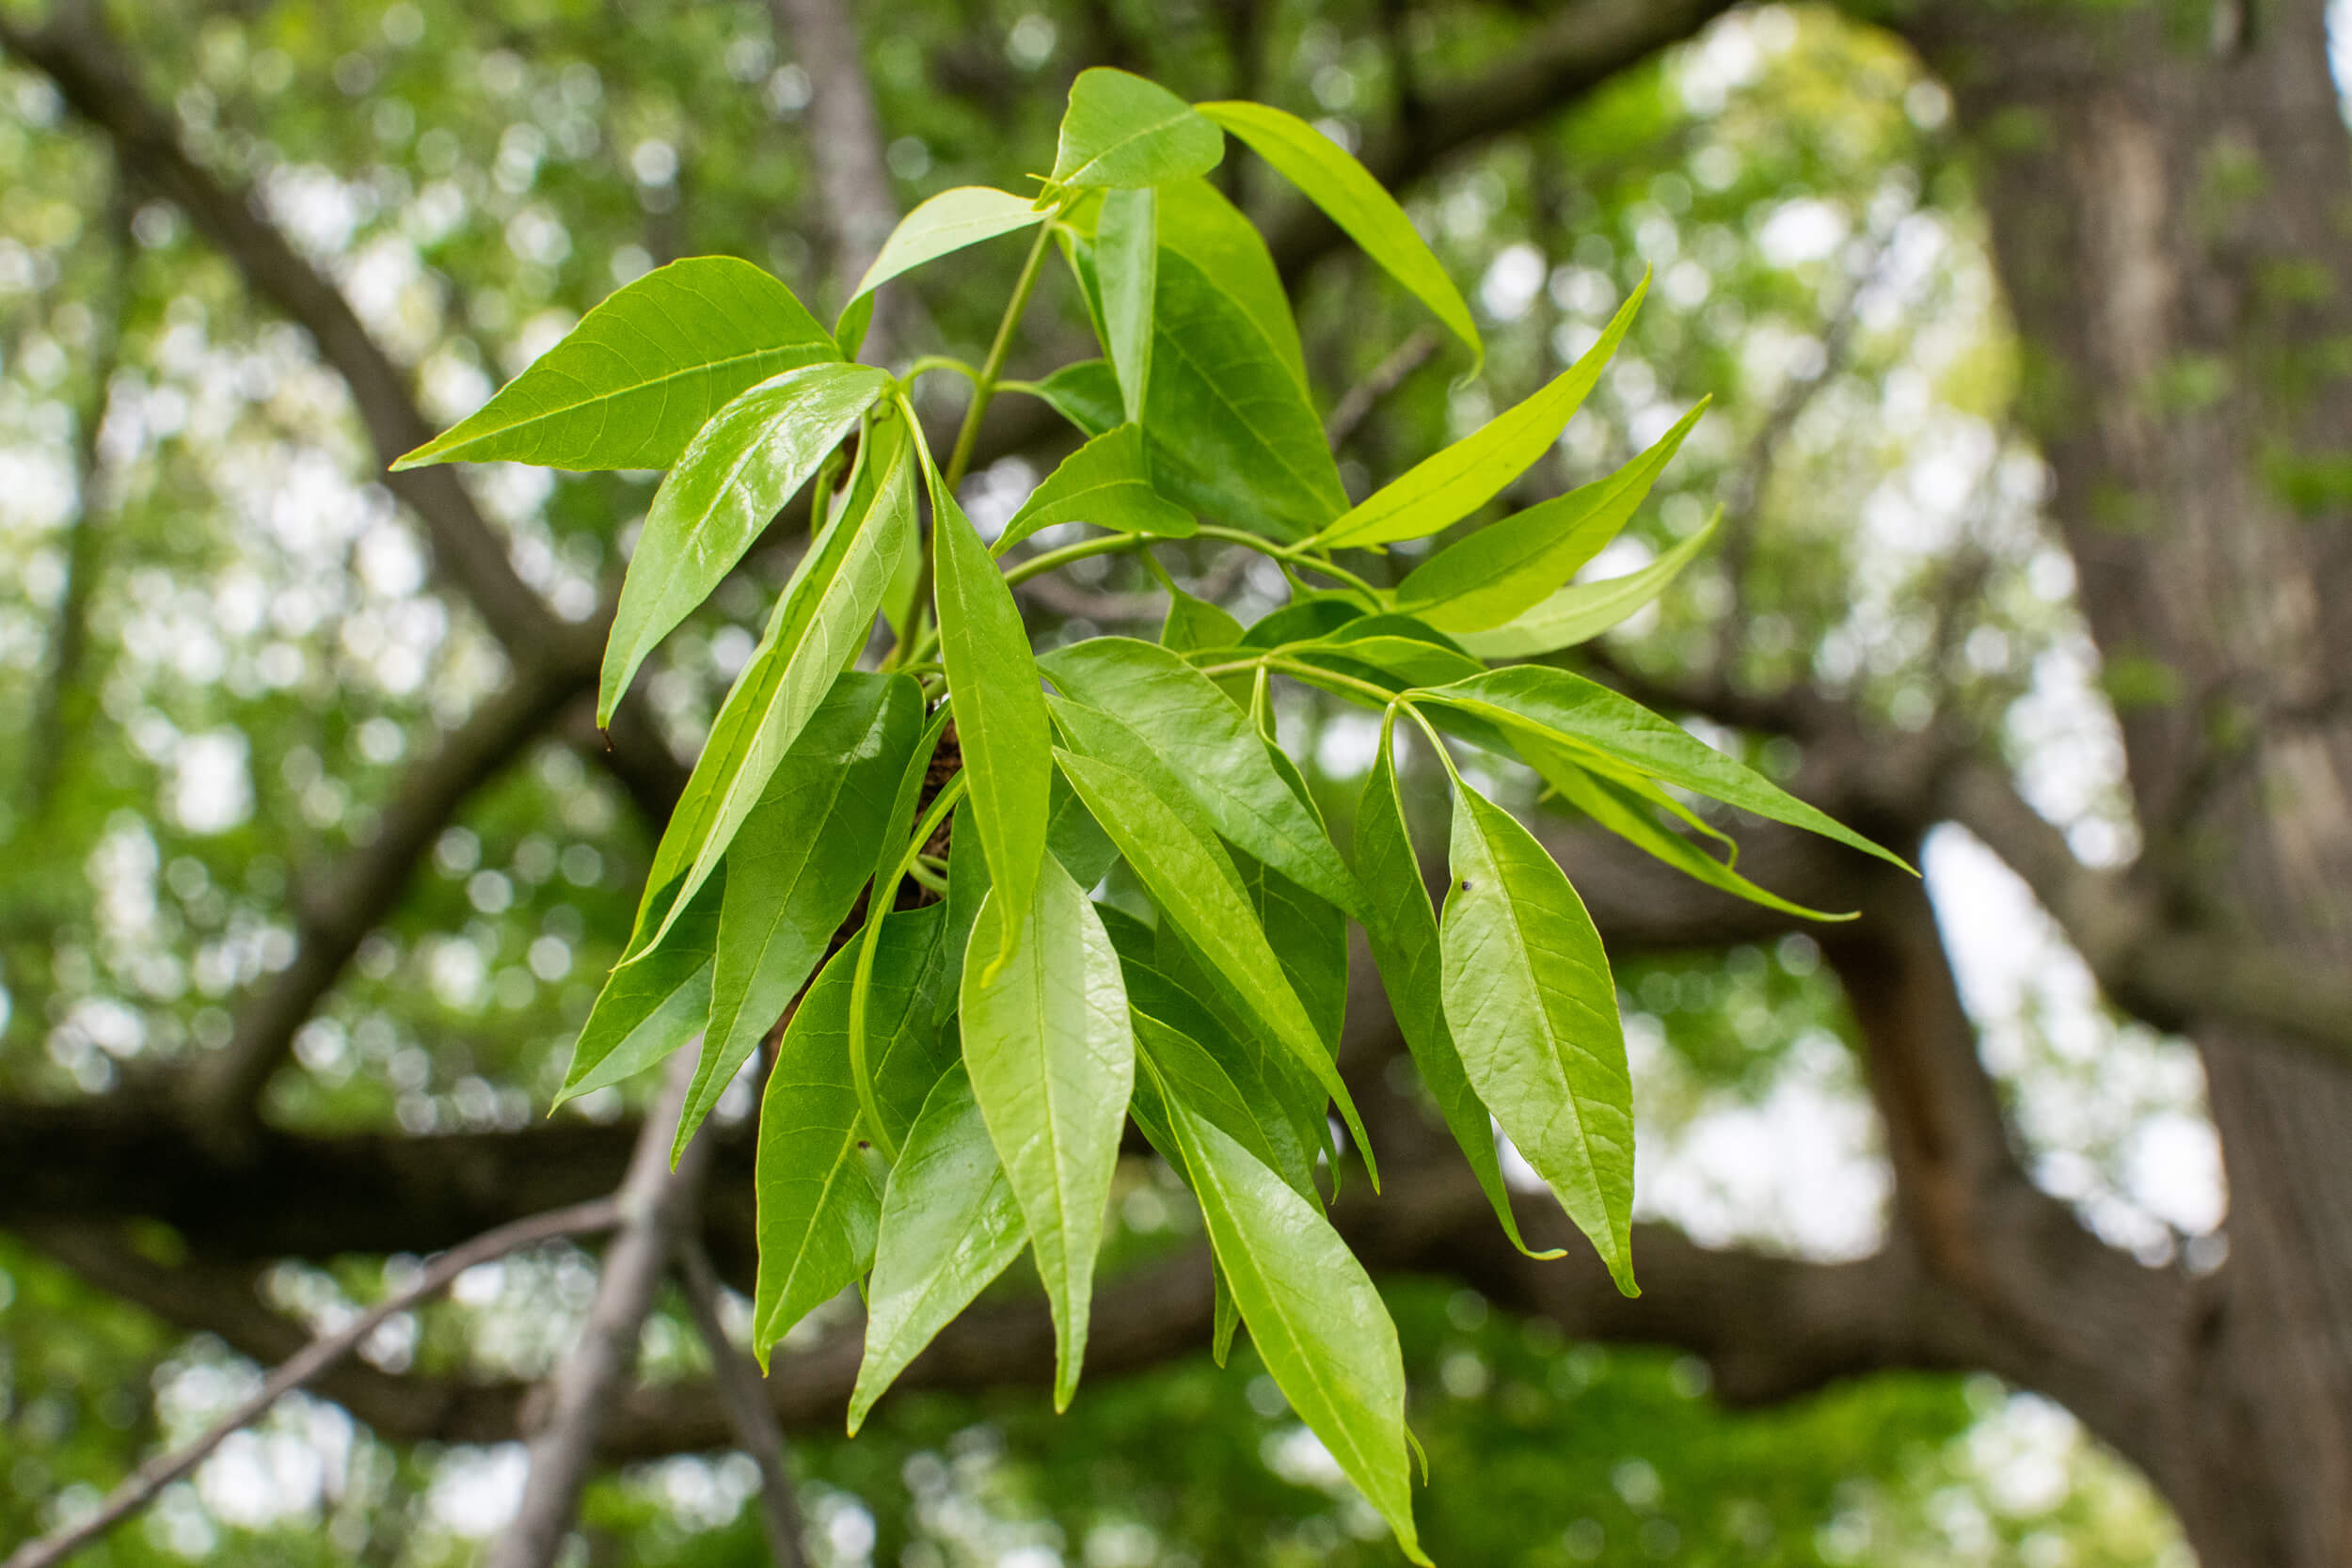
{"x":2169,"y":190}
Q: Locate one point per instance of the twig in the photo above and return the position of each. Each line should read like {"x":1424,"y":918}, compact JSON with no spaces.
{"x":1387,"y":376}
{"x":652,"y":1198}
{"x":151,"y":1478}
{"x":757,"y":1432}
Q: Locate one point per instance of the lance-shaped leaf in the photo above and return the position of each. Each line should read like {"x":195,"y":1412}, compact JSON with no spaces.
{"x":1513,"y":565}
{"x":1331,"y":178}
{"x":1126,"y":267}
{"x":1192,"y":1075}
{"x":1209,"y":744}
{"x":1585,"y":717}
{"x":1192,"y":884}
{"x":630,"y":385}
{"x":1106,"y":484}
{"x":1630,"y":805}
{"x":1321,"y":1327}
{"x":949,"y":1226}
{"x":947,"y":222}
{"x":798,"y":862}
{"x":1395,"y":651}
{"x":820,"y":626}
{"x":737,"y":473}
{"x":1404,"y":935}
{"x":1195,"y":623}
{"x":1440,"y":491}
{"x":1533,"y":1012}
{"x":817,"y":1208}
{"x":649,"y":1010}
{"x":1000,"y":708}
{"x":1052,"y":1059}
{"x":1122,"y":132}
{"x":1582,"y":610}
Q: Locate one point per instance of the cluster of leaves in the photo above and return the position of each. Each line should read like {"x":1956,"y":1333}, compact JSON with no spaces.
{"x":956,"y":1074}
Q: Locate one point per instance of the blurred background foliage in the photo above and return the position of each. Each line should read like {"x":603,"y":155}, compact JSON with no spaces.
{"x":218,"y":644}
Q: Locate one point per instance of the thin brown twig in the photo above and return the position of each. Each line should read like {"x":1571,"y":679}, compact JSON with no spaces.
{"x":1359,"y":401}
{"x":151,"y":1478}
{"x":757,"y":1432}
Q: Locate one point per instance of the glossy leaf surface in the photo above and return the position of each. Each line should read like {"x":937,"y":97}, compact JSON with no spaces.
{"x":1582,"y":610}
{"x":649,"y":1010}
{"x":740,"y":469}
{"x":1122,"y":132}
{"x":628,"y":386}
{"x":945,"y":223}
{"x":1052,"y":1058}
{"x":1532,"y":1010}
{"x":1126,"y":266}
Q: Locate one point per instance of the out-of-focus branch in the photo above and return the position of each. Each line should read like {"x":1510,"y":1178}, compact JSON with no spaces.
{"x":333,"y":914}
{"x":737,"y":1384}
{"x":314,"y":1358}
{"x":1387,"y":376}
{"x":653,"y":1202}
{"x":845,"y":139}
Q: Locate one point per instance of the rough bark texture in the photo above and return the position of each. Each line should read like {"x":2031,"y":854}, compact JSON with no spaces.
{"x":2167,"y":203}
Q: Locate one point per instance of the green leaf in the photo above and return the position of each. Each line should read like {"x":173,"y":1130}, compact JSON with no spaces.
{"x":1512,"y":565}
{"x":1126,"y":263}
{"x":1052,"y":1059}
{"x":1533,"y":1012}
{"x":947,"y":222}
{"x":1208,"y":744}
{"x":1331,"y":178}
{"x":1306,"y":616}
{"x":1582,"y":610}
{"x":735,"y":474}
{"x":1391,"y":650}
{"x":1442,"y":490}
{"x":1000,"y":710}
{"x":1188,"y":1073}
{"x":1313,"y":1314}
{"x":1194,"y":886}
{"x":1233,"y":433}
{"x":641,"y":372}
{"x":1105,"y":482}
{"x":649,"y":1010}
{"x":1122,"y":132}
{"x":1403,"y":937}
{"x":820,"y":626}
{"x":949,"y":1227}
{"x":1627,"y":806}
{"x":1588,"y":719}
{"x":1200,"y":225}
{"x":1086,"y":394}
{"x":1195,"y":623}
{"x":796,"y":866}
{"x":815,"y":1205}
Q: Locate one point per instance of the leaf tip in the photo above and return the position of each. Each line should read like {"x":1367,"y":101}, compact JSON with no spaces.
{"x":418,"y":457}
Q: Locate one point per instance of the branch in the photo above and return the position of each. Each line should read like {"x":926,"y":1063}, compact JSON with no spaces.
{"x":756,"y":1432}
{"x":845,"y":140}
{"x":321,"y":1354}
{"x":1387,"y":376}
{"x":1582,"y":47}
{"x":2165,"y":971}
{"x":652,"y":1202}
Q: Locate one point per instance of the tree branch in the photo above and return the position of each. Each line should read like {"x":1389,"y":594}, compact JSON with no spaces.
{"x":845,"y":139}
{"x":737,"y":1382}
{"x":652,"y":1202}
{"x":313,"y":1359}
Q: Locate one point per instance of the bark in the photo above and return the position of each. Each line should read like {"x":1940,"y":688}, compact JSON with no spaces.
{"x":2166,"y":207}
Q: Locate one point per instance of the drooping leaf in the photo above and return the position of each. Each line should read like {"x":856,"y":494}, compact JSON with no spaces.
{"x":1193,"y":886}
{"x":1533,"y":1012}
{"x":1190,"y":1073}
{"x":947,"y":222}
{"x":1403,"y":935}
{"x":1209,"y":745}
{"x":751,"y":458}
{"x":1122,"y":132}
{"x":1510,"y":566}
{"x":1126,"y":264}
{"x":649,"y":1010}
{"x":798,"y":862}
{"x":1582,"y":610}
{"x":1331,"y":178}
{"x":820,"y":626}
{"x":1052,"y":1059}
{"x":1629,"y":805}
{"x":630,"y":385}
{"x":949,"y":1226}
{"x":1583,"y":716}
{"x":1000,"y":709}
{"x":817,"y":1208}
{"x":1105,"y":482}
{"x":1313,"y":1314}
{"x":1443,"y":490}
